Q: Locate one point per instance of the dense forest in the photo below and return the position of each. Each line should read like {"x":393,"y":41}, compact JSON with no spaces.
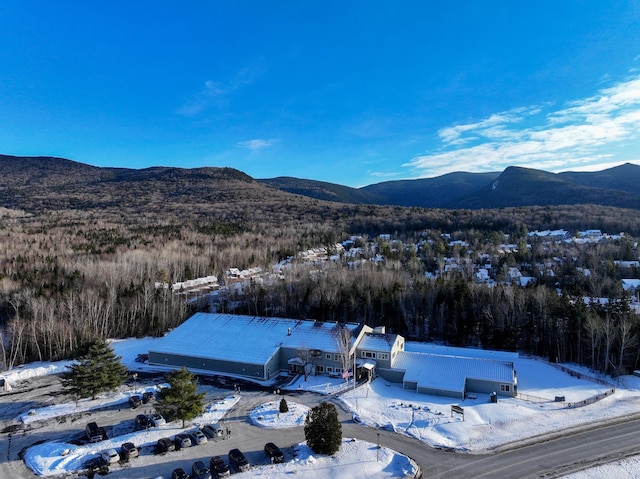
{"x":74,"y":268}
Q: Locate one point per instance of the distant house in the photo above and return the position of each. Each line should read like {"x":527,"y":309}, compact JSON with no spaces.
{"x":525,"y":281}
{"x":261,"y":348}
{"x":632,"y":286}
{"x":513,"y":275}
{"x":482,"y":276}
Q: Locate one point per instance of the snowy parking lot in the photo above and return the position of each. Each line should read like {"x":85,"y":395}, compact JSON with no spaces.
{"x":42,"y":425}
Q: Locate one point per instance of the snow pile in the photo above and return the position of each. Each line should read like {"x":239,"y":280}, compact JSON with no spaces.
{"x":83,"y":405}
{"x":269,"y":415}
{"x":23,"y":373}
{"x":54,"y":458}
{"x":354,"y":459}
{"x":215,"y":411}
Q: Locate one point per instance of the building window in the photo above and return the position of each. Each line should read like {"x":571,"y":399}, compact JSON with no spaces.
{"x":368,"y":354}
{"x":505,"y":388}
{"x":320,"y":369}
{"x":338,"y":370}
{"x":329,"y":369}
{"x":328,"y":356}
{"x":383,"y":356}
{"x":336,"y":357}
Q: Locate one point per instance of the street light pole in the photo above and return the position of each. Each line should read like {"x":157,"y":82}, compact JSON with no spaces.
{"x":378,"y":448}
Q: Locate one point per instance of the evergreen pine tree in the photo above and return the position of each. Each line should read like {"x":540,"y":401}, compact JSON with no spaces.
{"x":181,"y":399}
{"x":284,"y":407}
{"x":96,"y":370}
{"x":323,"y":430}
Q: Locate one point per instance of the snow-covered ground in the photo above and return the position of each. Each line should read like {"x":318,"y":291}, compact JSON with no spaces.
{"x":485,"y":426}
{"x":355,"y":459}
{"x":269,"y":415}
{"x":622,"y":469}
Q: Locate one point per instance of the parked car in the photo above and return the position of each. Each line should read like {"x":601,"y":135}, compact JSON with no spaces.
{"x":197,"y":437}
{"x":200,"y":471}
{"x":236,"y":457}
{"x":219,"y":467}
{"x":157,"y":420}
{"x":111,"y":456}
{"x":97,"y":464}
{"x":165,"y":445}
{"x":94,"y":433}
{"x":182,"y":441}
{"x":274,"y":452}
{"x":212,"y":431}
{"x":142,"y":422}
{"x":141,"y":358}
{"x":128,"y":451}
{"x":135,"y":401}
{"x":179,"y":474}
{"x":148,"y":397}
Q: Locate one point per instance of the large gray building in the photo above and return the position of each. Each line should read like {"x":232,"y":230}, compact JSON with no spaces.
{"x":260,"y":348}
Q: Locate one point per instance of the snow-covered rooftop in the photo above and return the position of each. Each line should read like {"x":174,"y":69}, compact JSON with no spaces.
{"x":378,"y":342}
{"x":450,"y":372}
{"x":249,"y":339}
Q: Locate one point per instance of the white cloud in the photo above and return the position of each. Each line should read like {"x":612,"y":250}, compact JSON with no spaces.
{"x":257,"y":144}
{"x":204,"y":99}
{"x":580,"y":135}
{"x":212,"y":92}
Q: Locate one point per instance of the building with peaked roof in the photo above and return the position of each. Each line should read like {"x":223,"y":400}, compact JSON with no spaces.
{"x":260,"y":348}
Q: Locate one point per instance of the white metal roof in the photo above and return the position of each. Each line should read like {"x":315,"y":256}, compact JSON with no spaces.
{"x":449,"y":373}
{"x":246,"y":339}
{"x":377,"y":342}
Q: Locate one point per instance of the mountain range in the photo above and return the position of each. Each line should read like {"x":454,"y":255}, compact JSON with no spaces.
{"x":47,"y":182}
{"x":515,"y":186}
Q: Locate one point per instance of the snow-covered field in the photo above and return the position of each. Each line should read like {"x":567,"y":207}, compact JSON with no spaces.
{"x":485,"y":426}
{"x":489,"y":425}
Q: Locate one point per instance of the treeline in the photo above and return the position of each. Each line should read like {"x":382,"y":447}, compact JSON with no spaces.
{"x":534,"y":320}
{"x":71,"y":276}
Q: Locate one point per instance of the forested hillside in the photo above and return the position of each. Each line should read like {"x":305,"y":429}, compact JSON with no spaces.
{"x":83,"y":248}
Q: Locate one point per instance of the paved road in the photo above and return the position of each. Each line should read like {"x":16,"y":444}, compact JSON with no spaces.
{"x":550,"y":458}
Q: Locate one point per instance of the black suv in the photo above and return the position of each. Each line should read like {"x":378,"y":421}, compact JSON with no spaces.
{"x":97,"y":464}
{"x":200,"y":471}
{"x":179,"y":474}
{"x":135,"y":401}
{"x":238,"y":460}
{"x":142,"y":422}
{"x":274,"y":452}
{"x":219,"y":467}
{"x":148,"y":397}
{"x":165,"y":445}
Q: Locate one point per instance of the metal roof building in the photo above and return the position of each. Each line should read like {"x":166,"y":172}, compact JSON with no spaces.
{"x":442,"y":375}
{"x":254,"y":347}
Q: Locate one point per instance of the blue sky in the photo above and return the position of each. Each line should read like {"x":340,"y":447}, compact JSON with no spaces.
{"x":348,"y":92}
